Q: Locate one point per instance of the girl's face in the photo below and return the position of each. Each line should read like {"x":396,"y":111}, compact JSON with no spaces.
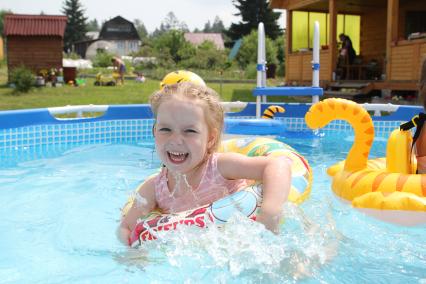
{"x":181,"y":134}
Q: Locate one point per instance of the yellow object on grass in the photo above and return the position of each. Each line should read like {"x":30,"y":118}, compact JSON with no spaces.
{"x":386,"y":188}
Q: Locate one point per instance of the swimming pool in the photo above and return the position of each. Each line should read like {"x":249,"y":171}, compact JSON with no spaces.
{"x":62,"y":186}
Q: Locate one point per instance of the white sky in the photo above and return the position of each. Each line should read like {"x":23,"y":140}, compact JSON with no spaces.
{"x":195,"y":13}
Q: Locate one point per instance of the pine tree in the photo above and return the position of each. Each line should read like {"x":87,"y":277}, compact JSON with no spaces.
{"x":217,"y":26}
{"x":140,"y":28}
{"x":171,"y":22}
{"x":76,"y":25}
{"x":207,"y":27}
{"x":92,"y":26}
{"x":253,"y":12}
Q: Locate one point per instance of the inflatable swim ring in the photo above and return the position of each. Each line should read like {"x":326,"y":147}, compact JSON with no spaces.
{"x":245,"y":201}
{"x":385,"y":188}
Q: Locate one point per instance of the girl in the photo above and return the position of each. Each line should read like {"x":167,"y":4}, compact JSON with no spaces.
{"x":187,"y":131}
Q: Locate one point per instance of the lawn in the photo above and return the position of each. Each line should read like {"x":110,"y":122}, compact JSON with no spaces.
{"x":131,"y":92}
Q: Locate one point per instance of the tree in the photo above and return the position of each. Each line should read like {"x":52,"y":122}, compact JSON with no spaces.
{"x":253,"y":12}
{"x":140,"y":28}
{"x":76,"y":25}
{"x":248,"y":51}
{"x":2,"y":14}
{"x":207,"y":27}
{"x":204,"y":56}
{"x":169,"y":43}
{"x":92,"y":26}
{"x":217,"y":26}
{"x":171,"y":22}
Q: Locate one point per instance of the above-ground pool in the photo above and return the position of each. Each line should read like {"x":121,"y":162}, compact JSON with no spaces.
{"x":62,"y":187}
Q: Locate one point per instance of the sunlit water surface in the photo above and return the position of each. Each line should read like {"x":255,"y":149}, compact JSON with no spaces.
{"x":60,"y":211}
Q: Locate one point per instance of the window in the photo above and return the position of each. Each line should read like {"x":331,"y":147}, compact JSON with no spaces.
{"x":415,"y":22}
{"x":121,"y":45}
{"x":303,"y":29}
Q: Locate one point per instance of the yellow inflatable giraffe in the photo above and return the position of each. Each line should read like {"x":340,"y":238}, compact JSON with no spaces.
{"x":386,"y":188}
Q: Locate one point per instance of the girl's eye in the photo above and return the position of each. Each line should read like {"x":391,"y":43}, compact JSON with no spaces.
{"x":191,"y":131}
{"x":164,"y":129}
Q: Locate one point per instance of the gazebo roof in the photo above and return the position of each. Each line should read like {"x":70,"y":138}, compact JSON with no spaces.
{"x":34,"y":25}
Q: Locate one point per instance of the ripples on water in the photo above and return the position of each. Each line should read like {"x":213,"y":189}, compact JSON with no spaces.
{"x":59,"y":215}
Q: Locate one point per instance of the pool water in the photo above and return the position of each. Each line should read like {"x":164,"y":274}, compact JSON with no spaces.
{"x":60,"y":211}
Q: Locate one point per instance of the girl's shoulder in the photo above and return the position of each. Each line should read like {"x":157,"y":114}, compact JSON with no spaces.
{"x":148,"y":184}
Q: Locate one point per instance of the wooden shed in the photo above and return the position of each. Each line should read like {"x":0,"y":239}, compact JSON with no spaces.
{"x":389,"y":37}
{"x":34,"y":41}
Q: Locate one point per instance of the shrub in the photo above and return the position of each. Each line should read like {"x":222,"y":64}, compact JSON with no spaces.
{"x":205,"y":56}
{"x":22,"y":78}
{"x":71,"y":55}
{"x":281,"y":70}
{"x":248,"y":51}
{"x":102,"y":59}
{"x":251,"y":71}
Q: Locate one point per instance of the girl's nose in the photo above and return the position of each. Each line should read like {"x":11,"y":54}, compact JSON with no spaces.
{"x":176,"y":138}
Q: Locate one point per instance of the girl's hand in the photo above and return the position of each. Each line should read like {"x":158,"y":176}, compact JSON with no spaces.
{"x":142,"y":203}
{"x":123,"y":235}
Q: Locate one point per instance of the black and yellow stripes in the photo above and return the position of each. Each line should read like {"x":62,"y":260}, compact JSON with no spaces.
{"x":271,"y":110}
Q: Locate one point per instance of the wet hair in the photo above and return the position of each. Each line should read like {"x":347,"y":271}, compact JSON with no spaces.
{"x":208,"y":99}
{"x":422,"y":83}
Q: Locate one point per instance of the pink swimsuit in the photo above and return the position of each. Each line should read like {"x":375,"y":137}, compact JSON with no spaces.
{"x":212,"y":187}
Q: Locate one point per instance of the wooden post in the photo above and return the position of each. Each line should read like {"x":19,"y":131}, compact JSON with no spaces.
{"x":332,"y":43}
{"x":288,"y":34}
{"x":391,"y":33}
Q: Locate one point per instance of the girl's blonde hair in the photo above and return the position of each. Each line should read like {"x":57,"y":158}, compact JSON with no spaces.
{"x":209,"y":100}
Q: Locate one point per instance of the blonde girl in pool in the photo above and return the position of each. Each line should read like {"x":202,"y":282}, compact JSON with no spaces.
{"x":189,"y":121}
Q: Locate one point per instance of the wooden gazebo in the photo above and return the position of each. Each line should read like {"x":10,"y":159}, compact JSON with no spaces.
{"x":390,"y":34}
{"x":34,"y":41}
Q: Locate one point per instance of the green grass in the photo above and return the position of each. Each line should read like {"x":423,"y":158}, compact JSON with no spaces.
{"x":131,"y":93}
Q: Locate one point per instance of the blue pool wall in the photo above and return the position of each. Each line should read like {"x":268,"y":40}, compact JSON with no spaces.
{"x":132,"y":123}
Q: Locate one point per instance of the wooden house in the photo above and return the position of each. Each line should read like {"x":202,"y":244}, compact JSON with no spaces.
{"x":117,"y":36}
{"x":34,"y":41}
{"x":389,"y":37}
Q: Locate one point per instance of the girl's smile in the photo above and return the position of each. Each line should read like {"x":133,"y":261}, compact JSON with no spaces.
{"x":177,"y":157}
{"x":181,"y":134}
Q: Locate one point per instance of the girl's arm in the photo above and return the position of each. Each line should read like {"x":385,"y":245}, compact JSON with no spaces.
{"x":275,"y":174}
{"x":143,"y":203}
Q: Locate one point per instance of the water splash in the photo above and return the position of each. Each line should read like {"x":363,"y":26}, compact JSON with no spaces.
{"x":181,"y":188}
{"x":243,"y":249}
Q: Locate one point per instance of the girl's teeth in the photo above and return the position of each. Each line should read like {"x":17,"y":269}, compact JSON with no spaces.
{"x":177,"y":156}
